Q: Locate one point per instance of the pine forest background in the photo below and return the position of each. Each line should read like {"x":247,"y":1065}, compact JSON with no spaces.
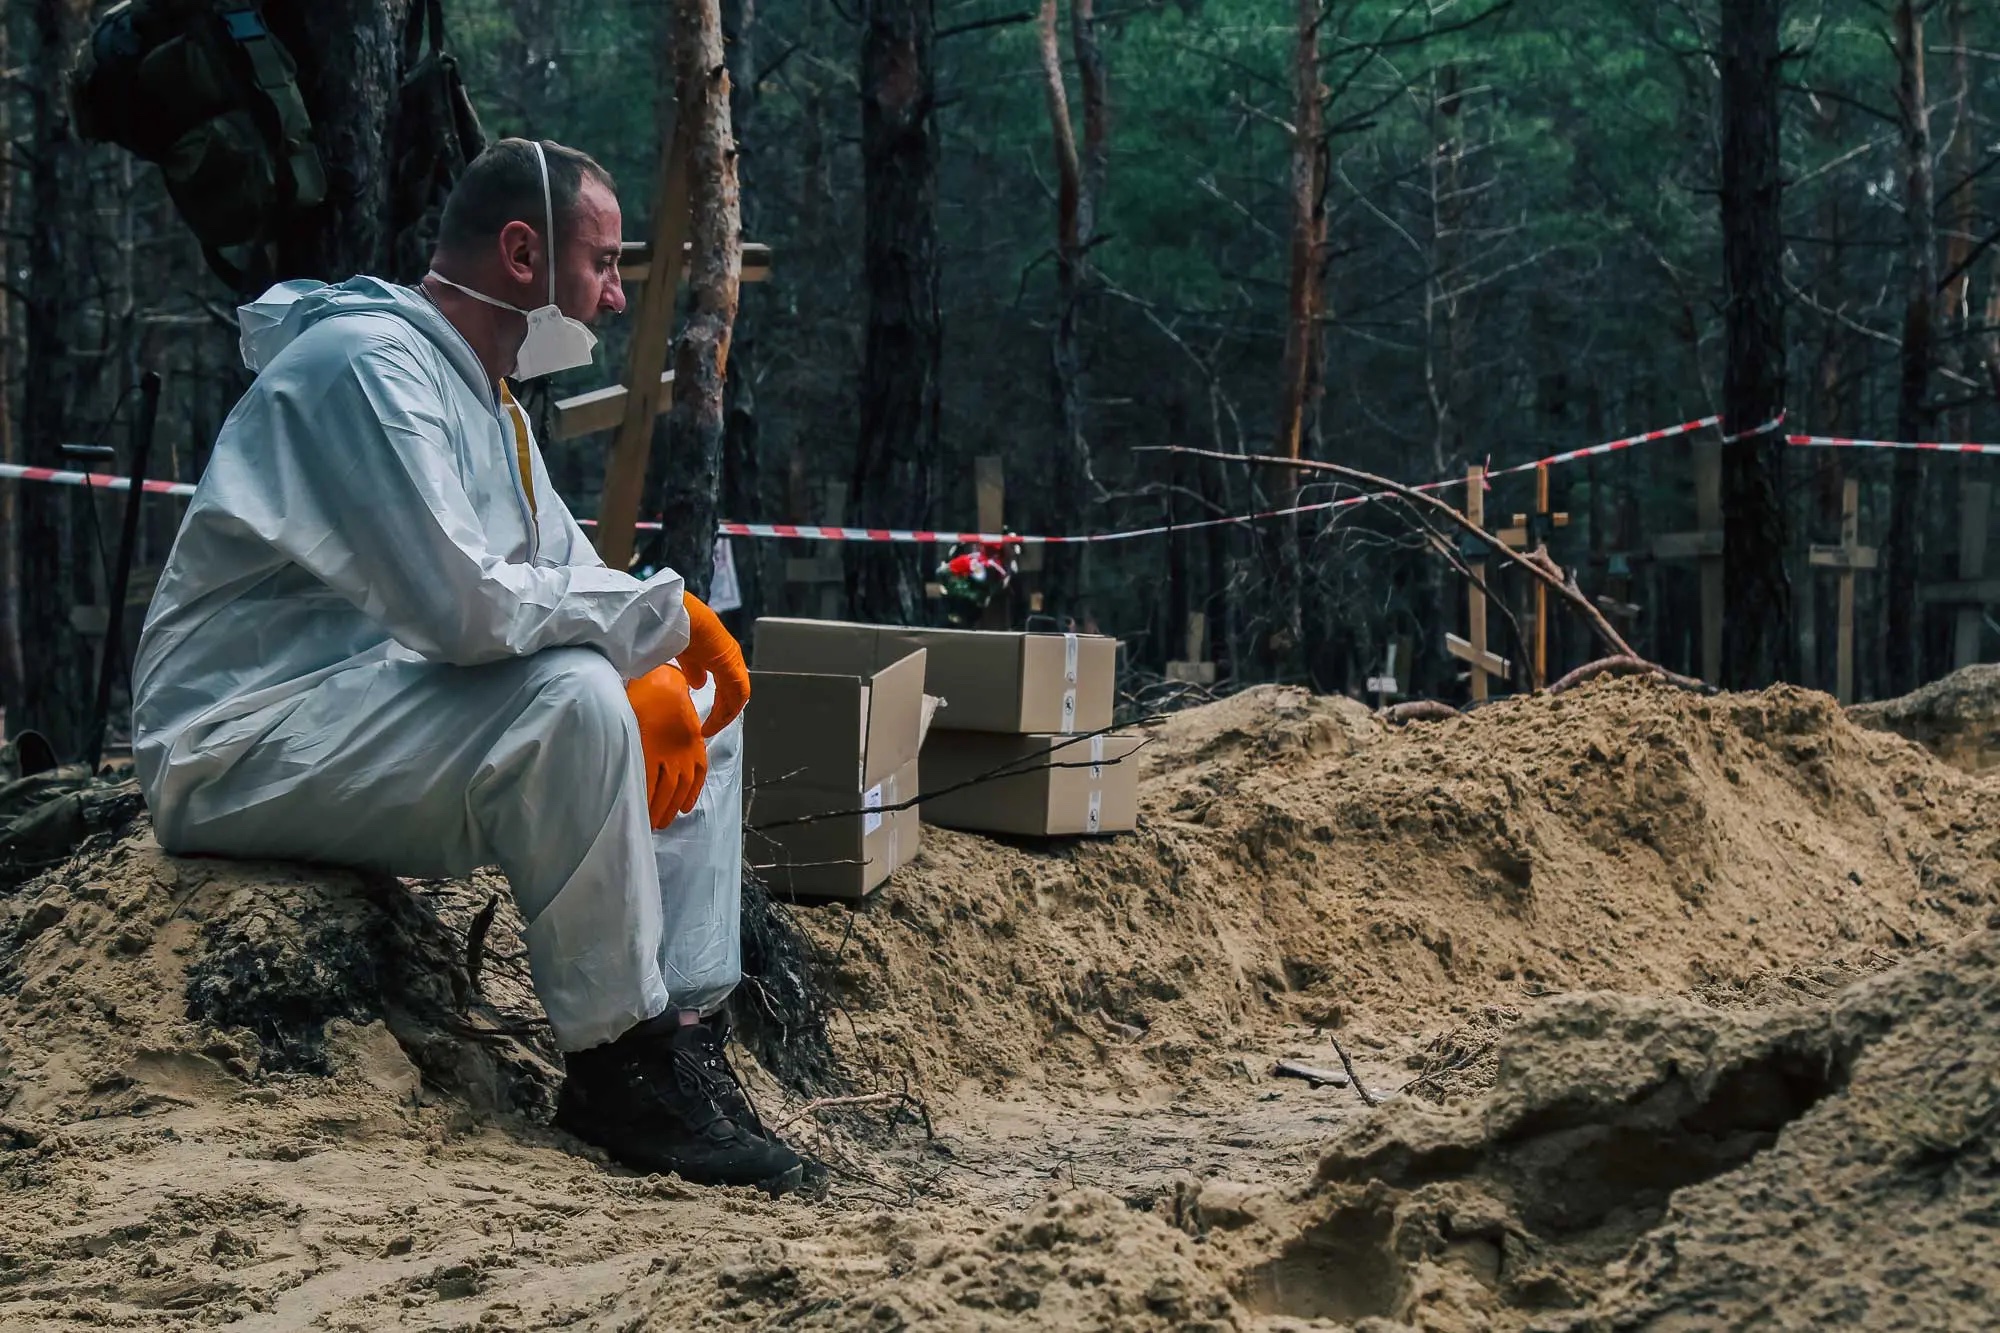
{"x":1487,"y":231}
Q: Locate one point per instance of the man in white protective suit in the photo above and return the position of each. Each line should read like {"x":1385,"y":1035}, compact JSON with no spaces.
{"x":381,"y":640}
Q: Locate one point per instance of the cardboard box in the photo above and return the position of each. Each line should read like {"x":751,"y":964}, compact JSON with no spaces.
{"x":835,"y":858}
{"x":994,"y":681}
{"x":832,"y":726}
{"x":1095,"y":789}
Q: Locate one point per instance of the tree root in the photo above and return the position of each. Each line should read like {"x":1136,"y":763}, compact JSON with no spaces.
{"x":1418,"y":710}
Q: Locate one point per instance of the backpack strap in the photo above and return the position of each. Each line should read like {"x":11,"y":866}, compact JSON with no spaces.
{"x":423,"y":13}
{"x":271,"y":71}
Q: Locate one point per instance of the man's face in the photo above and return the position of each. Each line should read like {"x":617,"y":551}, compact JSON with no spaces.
{"x":587,"y":284}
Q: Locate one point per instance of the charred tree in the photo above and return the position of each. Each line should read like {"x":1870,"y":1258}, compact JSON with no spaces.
{"x":10,"y":449}
{"x":904,"y":340}
{"x":56,"y":682}
{"x":695,"y":423}
{"x":1904,"y":548}
{"x":1757,"y":622}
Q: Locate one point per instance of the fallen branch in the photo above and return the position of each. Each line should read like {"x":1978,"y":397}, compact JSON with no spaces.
{"x":1626,"y":666}
{"x":1540,"y":568}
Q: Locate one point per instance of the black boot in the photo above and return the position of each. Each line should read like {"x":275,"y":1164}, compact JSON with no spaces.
{"x":653,"y":1102}
{"x":707,"y":1041}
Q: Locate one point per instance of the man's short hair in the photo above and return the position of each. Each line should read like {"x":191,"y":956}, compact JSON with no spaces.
{"x":504,"y":184}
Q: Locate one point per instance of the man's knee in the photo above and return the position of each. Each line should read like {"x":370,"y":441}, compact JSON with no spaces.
{"x":583,"y":698}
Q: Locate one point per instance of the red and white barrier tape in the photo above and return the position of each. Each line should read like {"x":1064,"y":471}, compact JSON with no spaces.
{"x":1835,"y":442}
{"x":16,"y":472}
{"x":813,"y":532}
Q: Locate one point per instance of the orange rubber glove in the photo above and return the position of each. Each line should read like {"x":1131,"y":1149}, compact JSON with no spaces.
{"x":670,"y":738}
{"x":711,"y":649}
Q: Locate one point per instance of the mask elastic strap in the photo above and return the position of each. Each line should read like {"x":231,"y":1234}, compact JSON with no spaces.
{"x":477,"y":296}
{"x":549,"y":215}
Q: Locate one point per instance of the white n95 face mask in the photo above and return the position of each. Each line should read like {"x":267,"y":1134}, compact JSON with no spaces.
{"x":555,"y":341}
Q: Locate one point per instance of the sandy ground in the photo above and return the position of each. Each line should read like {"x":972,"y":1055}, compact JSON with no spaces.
{"x":1684,"y":1013}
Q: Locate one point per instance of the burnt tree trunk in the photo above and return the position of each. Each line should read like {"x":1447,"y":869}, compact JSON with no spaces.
{"x":715,"y":267}
{"x":1757,"y":619}
{"x":1904,"y":548}
{"x":904,"y":342}
{"x":10,"y":452}
{"x":56,"y":666}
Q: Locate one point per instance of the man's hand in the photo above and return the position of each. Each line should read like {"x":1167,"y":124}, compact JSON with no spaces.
{"x":711,"y":650}
{"x":670,"y":737}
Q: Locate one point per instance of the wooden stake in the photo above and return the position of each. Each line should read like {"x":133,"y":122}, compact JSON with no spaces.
{"x":1970,"y":623}
{"x":1472,"y":649}
{"x":647,"y":391}
{"x":1847,"y":557}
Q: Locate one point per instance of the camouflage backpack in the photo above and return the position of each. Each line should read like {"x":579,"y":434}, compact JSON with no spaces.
{"x":203,"y":89}
{"x":433,"y":134}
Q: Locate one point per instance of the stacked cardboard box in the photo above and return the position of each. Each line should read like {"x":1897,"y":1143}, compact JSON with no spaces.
{"x":1021,"y":745}
{"x":830,"y":742}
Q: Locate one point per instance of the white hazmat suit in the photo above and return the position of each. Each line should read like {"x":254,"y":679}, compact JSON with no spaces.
{"x":378,"y":643}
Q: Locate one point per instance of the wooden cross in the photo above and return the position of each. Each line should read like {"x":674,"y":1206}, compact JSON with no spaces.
{"x":1386,"y":686}
{"x":1973,"y":592}
{"x":823,"y":568}
{"x":1195,"y":669}
{"x":1529,"y":531}
{"x":1847,"y":557}
{"x":1472,"y":649}
{"x":647,"y":391}
{"x":1705,"y":545}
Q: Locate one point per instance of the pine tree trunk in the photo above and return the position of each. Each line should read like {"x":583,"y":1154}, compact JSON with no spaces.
{"x":898,"y":454}
{"x":701,"y":356}
{"x":1070,"y":473}
{"x":1904,"y":553}
{"x":1300,"y":384}
{"x":10,"y":449}
{"x":1757,"y":621}
{"x":56,"y":665}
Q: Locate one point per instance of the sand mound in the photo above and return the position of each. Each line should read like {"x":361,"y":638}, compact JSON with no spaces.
{"x":267,"y":1096}
{"x":1957,"y":718}
{"x":1299,"y":863}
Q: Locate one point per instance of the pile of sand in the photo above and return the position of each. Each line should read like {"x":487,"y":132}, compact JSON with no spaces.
{"x":1300,"y":862}
{"x":265,"y":1096}
{"x":1957,"y":718}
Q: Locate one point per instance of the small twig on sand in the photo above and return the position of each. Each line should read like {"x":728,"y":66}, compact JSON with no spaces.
{"x":1367,"y":1097}
{"x":819,"y":1104}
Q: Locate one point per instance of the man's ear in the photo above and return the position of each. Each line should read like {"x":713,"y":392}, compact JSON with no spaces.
{"x":519,"y":248}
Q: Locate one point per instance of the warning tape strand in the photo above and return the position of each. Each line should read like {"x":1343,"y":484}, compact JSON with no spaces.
{"x":821,"y":532}
{"x":1837,"y":442}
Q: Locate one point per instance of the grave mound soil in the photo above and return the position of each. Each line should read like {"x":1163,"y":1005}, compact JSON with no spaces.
{"x":1956,"y":718}
{"x":256,"y":1095}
